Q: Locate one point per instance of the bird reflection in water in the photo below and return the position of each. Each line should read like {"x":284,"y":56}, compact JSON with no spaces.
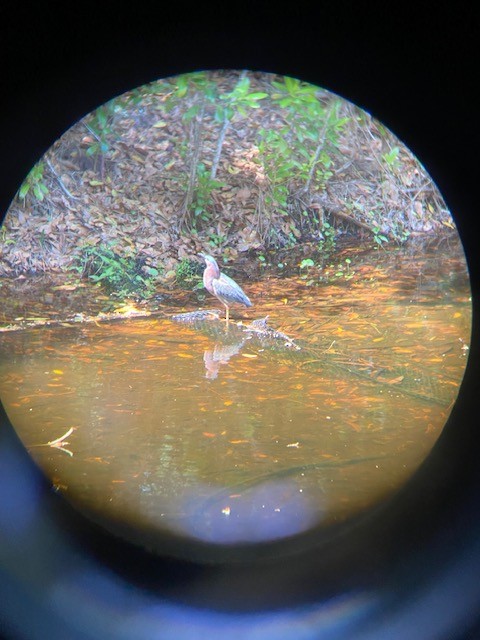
{"x":218,"y":356}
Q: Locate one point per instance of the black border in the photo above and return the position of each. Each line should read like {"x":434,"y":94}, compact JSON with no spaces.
{"x":415,"y":72}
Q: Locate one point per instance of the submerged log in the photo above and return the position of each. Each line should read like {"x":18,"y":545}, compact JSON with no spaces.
{"x":194,"y":316}
{"x":406,"y":380}
{"x":258,"y":328}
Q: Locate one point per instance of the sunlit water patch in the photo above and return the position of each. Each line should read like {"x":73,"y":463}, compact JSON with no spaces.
{"x":219,"y":435}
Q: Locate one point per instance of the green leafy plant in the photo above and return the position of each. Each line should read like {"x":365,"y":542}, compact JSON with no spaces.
{"x":327,"y":242}
{"x":313,"y":129}
{"x":391,"y":158}
{"x":307,"y":263}
{"x":186,"y":85}
{"x":378,"y":237}
{"x":344,"y":271}
{"x":199,"y":95}
{"x":193,"y":92}
{"x":279,"y":166}
{"x":100,"y":126}
{"x":202,"y":195}
{"x":34,"y":184}
{"x":298,"y":156}
{"x":186,"y":272}
{"x":236,"y":101}
{"x":375,"y":222}
{"x":217,"y":240}
{"x":121,"y":275}
{"x":6,"y":237}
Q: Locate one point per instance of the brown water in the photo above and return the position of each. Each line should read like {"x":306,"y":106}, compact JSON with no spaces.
{"x":215,"y":435}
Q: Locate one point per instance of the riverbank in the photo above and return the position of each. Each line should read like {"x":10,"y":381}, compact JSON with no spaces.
{"x":240,"y":165}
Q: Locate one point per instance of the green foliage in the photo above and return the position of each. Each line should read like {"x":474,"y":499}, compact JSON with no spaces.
{"x":327,"y":242}
{"x":197,"y":91}
{"x":298,"y":157}
{"x":191,"y":90}
{"x":34,"y":184}
{"x":121,"y":275}
{"x":226,"y":104}
{"x":292,"y":92}
{"x":279,"y":166}
{"x":100,"y":126}
{"x":391,"y":158}
{"x":6,"y":238}
{"x":202,"y":196}
{"x":307,"y":263}
{"x":378,"y":237}
{"x":312,"y":131}
{"x":343,"y":270}
{"x":186,"y":272}
{"x":217,"y":240}
{"x":100,"y":122}
{"x":240,"y":99}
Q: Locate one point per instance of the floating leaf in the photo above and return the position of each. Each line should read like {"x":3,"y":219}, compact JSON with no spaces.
{"x":385,"y":380}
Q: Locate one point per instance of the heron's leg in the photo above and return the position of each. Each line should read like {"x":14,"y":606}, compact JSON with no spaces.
{"x":227,"y":315}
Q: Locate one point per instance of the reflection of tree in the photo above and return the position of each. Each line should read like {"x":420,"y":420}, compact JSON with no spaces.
{"x":220,"y":354}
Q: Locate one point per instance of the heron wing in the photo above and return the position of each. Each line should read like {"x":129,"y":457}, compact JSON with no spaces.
{"x":227,"y":290}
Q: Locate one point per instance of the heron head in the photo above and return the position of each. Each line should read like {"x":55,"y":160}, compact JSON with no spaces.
{"x":211,"y":263}
{"x":208,"y":259}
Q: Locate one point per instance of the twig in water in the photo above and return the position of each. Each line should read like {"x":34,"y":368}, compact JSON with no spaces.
{"x":58,"y":443}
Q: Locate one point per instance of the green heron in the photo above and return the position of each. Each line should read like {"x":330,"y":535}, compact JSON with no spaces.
{"x":221,"y":286}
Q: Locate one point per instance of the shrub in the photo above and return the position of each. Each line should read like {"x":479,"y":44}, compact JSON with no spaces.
{"x":121,"y":275}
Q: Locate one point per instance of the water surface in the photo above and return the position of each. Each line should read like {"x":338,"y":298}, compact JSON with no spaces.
{"x":213,"y":434}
